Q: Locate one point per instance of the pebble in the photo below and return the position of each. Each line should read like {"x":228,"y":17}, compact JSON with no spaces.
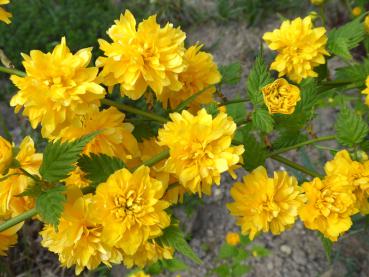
{"x":286,"y":249}
{"x":270,"y":266}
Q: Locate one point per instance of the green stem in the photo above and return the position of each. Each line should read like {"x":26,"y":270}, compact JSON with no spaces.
{"x":234,"y":101}
{"x":154,"y":160}
{"x":12,"y":71}
{"x":292,"y":147}
{"x":295,"y":166}
{"x":18,"y":219}
{"x":134,"y":110}
{"x":25,"y":172}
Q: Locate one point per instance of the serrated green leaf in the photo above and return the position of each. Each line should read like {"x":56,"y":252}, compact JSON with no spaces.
{"x":231,"y":74}
{"x":173,"y":236}
{"x":258,"y":78}
{"x":237,"y":111}
{"x":288,"y":137}
{"x":174,"y":265}
{"x":351,"y":129}
{"x":60,"y":158}
{"x":341,"y":40}
{"x":98,"y":167}
{"x":262,"y":120}
{"x":33,"y":191}
{"x":212,"y":108}
{"x":227,"y":251}
{"x":356,"y":73}
{"x":255,"y":151}
{"x":50,"y":205}
{"x":259,"y":251}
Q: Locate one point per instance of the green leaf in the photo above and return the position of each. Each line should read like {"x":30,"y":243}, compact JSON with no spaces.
{"x":259,"y":251}
{"x":237,"y":111}
{"x":349,"y":36}
{"x":356,"y":73}
{"x":351,"y":129}
{"x":288,"y":137}
{"x":174,"y":265}
{"x":50,"y":205}
{"x":173,"y":236}
{"x":99,"y":167}
{"x":240,"y":270}
{"x":258,"y":78}
{"x":231,"y":74}
{"x":33,"y":191}
{"x":255,"y":151}
{"x":185,"y":103}
{"x":223,"y":271}
{"x":227,"y":251}
{"x":262,"y":120}
{"x":59,"y":158}
{"x":212,"y":108}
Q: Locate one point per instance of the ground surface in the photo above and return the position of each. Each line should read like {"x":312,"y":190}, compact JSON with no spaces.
{"x":297,"y":252}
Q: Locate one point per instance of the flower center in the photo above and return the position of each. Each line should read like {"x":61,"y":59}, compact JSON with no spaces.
{"x":327,"y":203}
{"x":126,"y":205}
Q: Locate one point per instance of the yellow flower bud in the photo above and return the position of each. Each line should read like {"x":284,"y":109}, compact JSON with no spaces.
{"x":313,"y":15}
{"x":317,"y":2}
{"x":232,"y":238}
{"x":222,"y":109}
{"x":356,"y":11}
{"x":6,"y":154}
{"x":281,"y":97}
{"x":366,"y":23}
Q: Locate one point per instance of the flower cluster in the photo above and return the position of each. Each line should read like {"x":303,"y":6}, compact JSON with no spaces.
{"x":4,"y":15}
{"x":300,"y":47}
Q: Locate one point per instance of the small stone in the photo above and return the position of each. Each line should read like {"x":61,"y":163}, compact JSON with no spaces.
{"x":286,"y":249}
{"x":270,"y":266}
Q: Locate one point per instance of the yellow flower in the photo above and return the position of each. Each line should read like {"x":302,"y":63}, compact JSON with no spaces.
{"x":129,"y":206}
{"x":58,"y":88}
{"x":139,"y":274}
{"x":200,"y":149}
{"x":357,"y":174}
{"x":366,"y":24}
{"x":233,"y":238}
{"x":78,"y":239}
{"x":148,"y":253}
{"x":115,"y":139}
{"x":10,"y":203}
{"x":6,"y":154}
{"x":4,"y":15}
{"x":146,"y":56}
{"x":266,"y":204}
{"x":366,"y":91}
{"x":77,"y":178}
{"x":150,"y":148}
{"x":201,"y":73}
{"x":8,"y":237}
{"x":300,"y":47}
{"x":356,"y":11}
{"x":330,"y":203}
{"x":317,"y":2}
{"x":281,"y":97}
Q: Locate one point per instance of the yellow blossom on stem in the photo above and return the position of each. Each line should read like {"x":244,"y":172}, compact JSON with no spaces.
{"x":357,"y":175}
{"x":200,"y":149}
{"x":281,"y":97}
{"x":8,"y":237}
{"x":201,"y":73}
{"x":300,"y":47}
{"x":356,"y":11}
{"x":266,"y":204}
{"x":144,"y":56}
{"x":233,"y":238}
{"x":317,"y":2}
{"x":139,"y":274}
{"x":6,"y":154}
{"x":148,"y":253}
{"x":330,"y":203}
{"x":116,"y":138}
{"x":4,"y":15}
{"x":78,"y":238}
{"x":11,"y":204}
{"x":129,"y":205}
{"x":366,"y":24}
{"x":57,"y":88}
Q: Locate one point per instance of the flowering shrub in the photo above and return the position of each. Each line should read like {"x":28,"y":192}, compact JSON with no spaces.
{"x":105,"y":184}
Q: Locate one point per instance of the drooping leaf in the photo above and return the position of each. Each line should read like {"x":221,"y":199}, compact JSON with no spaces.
{"x":50,"y":205}
{"x":60,"y":158}
{"x":237,"y":111}
{"x":173,"y":236}
{"x":99,"y":167}
{"x":327,"y":245}
{"x":351,"y":129}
